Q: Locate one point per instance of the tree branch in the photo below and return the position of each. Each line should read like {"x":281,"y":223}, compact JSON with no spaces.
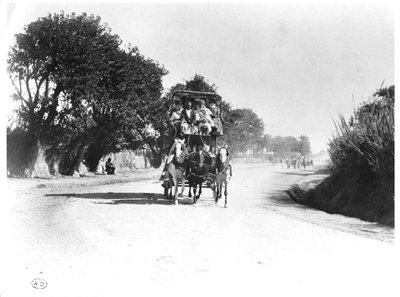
{"x":53,"y":107}
{"x":28,"y":88}
{"x":35,"y":102}
{"x":19,"y":92}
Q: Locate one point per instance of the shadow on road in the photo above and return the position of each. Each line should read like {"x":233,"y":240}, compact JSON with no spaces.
{"x":278,"y":197}
{"x":300,"y":173}
{"x":136,"y":201}
{"x":125,"y":198}
{"x":119,"y":198}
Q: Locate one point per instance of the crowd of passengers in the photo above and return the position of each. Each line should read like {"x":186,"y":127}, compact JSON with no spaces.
{"x":194,"y":117}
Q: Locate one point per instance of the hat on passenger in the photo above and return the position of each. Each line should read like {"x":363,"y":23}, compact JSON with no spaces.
{"x":177,"y":99}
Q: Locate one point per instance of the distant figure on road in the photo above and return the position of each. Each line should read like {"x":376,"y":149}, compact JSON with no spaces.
{"x":110,"y":168}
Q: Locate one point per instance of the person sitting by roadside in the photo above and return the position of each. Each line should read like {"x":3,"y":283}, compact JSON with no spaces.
{"x":110,"y":168}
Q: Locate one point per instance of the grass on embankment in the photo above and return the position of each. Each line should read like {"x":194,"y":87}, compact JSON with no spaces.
{"x":347,"y":195}
{"x":361,"y":183}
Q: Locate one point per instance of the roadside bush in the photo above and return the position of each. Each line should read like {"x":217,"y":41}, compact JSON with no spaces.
{"x":365,"y":144}
{"x":362,"y":163}
{"x":367,"y":141}
{"x":361,"y":183}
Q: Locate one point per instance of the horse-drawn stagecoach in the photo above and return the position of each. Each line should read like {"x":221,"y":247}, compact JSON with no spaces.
{"x":194,"y":158}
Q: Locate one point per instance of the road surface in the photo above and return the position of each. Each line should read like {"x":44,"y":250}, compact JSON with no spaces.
{"x":125,"y":240}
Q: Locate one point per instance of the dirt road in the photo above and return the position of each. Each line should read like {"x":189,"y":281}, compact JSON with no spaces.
{"x":125,"y":240}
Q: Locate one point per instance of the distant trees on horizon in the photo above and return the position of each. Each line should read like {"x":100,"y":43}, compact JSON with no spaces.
{"x":286,"y":146}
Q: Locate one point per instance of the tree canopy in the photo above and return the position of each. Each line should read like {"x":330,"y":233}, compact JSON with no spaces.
{"x":80,"y":94}
{"x":243,"y":129}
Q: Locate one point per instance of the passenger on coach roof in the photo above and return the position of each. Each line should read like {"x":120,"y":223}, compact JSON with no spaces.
{"x":176,"y":119}
{"x":205,"y":122}
{"x":216,"y":116}
{"x":188,"y":119}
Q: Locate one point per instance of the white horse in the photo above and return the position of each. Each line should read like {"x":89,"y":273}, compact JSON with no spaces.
{"x":176,"y":169}
{"x":224,"y":174}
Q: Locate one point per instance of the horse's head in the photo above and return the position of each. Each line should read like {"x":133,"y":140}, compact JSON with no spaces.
{"x":180,"y":150}
{"x":199,"y":158}
{"x":223,"y":154}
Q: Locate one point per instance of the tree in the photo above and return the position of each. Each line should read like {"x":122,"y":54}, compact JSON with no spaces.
{"x":264,"y":142}
{"x":283,"y":146}
{"x":54,"y":67}
{"x":304,"y":147}
{"x":199,"y":83}
{"x":80,"y":94}
{"x":134,"y":107}
{"x":245,"y":129}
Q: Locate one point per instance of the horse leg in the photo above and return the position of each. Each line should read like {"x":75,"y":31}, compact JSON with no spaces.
{"x":194,"y":192}
{"x":183,"y":180}
{"x":176,"y":192}
{"x":215,"y":190}
{"x":170,"y":183}
{"x":226,"y":193}
{"x":200,"y":189}
{"x":190,"y":190}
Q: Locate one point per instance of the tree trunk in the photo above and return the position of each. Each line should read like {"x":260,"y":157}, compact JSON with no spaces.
{"x":51,"y":163}
{"x":70,"y":161}
{"x":22,"y":152}
{"x":154,"y":156}
{"x":93,"y":156}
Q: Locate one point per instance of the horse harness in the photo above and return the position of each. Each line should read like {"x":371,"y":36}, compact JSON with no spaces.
{"x":181,"y":166}
{"x":225,"y":167}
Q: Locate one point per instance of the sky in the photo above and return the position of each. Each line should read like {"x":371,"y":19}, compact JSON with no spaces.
{"x":297,"y":65}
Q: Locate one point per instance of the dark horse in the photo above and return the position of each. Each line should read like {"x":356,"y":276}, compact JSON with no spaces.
{"x":198,"y":171}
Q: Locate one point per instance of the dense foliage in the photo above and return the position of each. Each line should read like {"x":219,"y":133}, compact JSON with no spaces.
{"x":361,"y":183}
{"x":80,"y":94}
{"x":362,"y":154}
{"x":365,"y":143}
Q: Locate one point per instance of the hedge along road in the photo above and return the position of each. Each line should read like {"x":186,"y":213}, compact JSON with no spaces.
{"x":125,"y":240}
